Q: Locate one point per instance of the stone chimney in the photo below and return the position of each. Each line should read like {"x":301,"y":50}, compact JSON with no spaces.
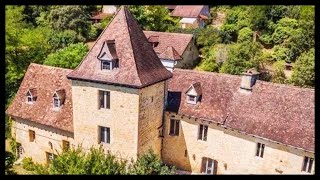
{"x":249,"y":79}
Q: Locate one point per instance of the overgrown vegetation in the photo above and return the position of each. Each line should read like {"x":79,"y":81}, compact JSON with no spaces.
{"x":97,"y":162}
{"x":261,"y":36}
{"x":9,"y":163}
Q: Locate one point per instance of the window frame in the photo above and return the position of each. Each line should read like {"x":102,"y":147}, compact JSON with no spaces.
{"x":260,"y":150}
{"x":65,"y":144}
{"x":205,"y":166}
{"x":194,"y":101}
{"x":103,"y":65}
{"x":104,"y":135}
{"x":56,"y":98}
{"x":32,"y":135}
{"x":307,"y":164}
{"x":203,"y":132}
{"x":104,"y":99}
{"x":174,"y":130}
{"x":50,"y":156}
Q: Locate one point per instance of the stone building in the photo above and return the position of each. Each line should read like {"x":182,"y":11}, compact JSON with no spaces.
{"x":192,"y":16}
{"x":123,"y":98}
{"x":175,"y":50}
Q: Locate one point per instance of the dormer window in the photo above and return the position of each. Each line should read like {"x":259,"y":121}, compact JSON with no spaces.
{"x":154,"y":40}
{"x":194,"y":93}
{"x":108,"y":56}
{"x":58,"y":98}
{"x":31,"y":95}
{"x":106,"y":65}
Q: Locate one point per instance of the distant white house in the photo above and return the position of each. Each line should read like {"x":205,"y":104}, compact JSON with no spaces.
{"x":192,"y":16}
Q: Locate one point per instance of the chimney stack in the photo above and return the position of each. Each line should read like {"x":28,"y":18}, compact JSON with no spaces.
{"x":249,"y":79}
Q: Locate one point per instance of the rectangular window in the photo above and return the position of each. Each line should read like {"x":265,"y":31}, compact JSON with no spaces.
{"x":65,"y":145}
{"x":260,"y":150}
{"x":106,"y":65}
{"x":56,"y":102}
{"x":32,"y":136}
{"x":104,"y":135}
{"x":104,"y":98}
{"x":192,"y":99}
{"x":203,"y":131}
{"x":208,"y":166}
{"x":174,"y":127}
{"x":19,"y":150}
{"x":30,"y":99}
{"x":50,"y":156}
{"x":307,"y":164}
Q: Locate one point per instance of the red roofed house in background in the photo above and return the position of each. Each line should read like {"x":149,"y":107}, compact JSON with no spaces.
{"x":192,"y":15}
{"x":107,"y":10}
{"x":175,"y":50}
{"x":121,"y":97}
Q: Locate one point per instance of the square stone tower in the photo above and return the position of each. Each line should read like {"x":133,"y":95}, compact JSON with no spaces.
{"x":118,"y":91}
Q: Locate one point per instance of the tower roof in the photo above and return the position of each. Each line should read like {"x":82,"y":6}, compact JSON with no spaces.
{"x":139,"y":65}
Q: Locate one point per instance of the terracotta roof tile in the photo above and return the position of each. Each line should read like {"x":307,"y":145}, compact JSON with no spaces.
{"x":170,"y":53}
{"x":178,"y":41}
{"x":139,"y":65}
{"x":277,"y":112}
{"x":46,"y":80}
{"x":189,"y":11}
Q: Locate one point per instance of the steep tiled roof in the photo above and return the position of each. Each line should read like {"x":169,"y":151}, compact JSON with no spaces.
{"x":47,"y":80}
{"x":178,"y":41}
{"x":281,"y":113}
{"x":170,"y":53}
{"x":189,"y":11}
{"x":139,"y":65}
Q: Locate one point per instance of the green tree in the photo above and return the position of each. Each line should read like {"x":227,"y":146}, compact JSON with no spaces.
{"x":61,"y":39}
{"x":154,"y":18}
{"x":150,"y":164}
{"x":278,"y":74}
{"x":62,"y":18}
{"x":68,"y":57}
{"x":9,"y":163}
{"x":241,"y":57}
{"x":303,"y":70}
{"x":245,"y":35}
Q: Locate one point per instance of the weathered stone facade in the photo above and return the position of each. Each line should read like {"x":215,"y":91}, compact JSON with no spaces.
{"x":44,"y":135}
{"x":121,"y":118}
{"x":234,"y":152}
{"x":190,"y":56}
{"x":150,"y":118}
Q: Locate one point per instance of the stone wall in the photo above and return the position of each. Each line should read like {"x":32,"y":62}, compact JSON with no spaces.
{"x":121,"y":118}
{"x":43,"y":135}
{"x":235,"y":152}
{"x":150,"y":118}
{"x":190,"y":57}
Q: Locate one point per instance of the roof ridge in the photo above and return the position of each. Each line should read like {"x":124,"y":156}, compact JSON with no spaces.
{"x":130,"y":39}
{"x":47,"y":66}
{"x":239,"y":76}
{"x":169,"y":32}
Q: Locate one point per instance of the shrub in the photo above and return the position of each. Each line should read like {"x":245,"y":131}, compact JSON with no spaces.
{"x":28,"y":164}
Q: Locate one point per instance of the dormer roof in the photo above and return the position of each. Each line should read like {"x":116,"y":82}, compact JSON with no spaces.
{"x":61,"y":93}
{"x":33,"y":92}
{"x":195,"y":89}
{"x":108,"y":51}
{"x":170,"y":53}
